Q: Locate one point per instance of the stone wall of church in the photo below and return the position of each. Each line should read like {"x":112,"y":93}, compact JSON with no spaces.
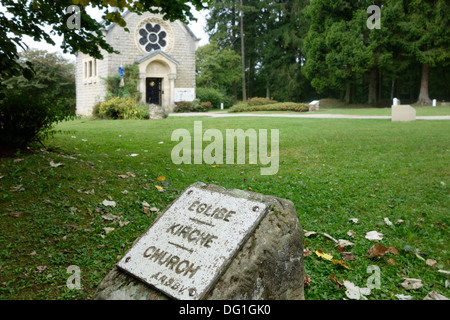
{"x":90,"y":88}
{"x":181,"y":45}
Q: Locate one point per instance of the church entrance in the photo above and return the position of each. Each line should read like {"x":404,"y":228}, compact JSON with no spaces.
{"x":153,"y":90}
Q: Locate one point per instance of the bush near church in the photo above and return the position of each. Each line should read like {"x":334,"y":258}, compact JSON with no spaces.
{"x":192,"y":106}
{"x":30,"y":106}
{"x":120,"y":108}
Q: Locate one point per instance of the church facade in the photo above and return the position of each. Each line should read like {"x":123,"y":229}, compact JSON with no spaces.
{"x":164,"y":52}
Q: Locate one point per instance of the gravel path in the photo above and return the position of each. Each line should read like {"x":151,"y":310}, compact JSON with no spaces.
{"x":306,"y":116}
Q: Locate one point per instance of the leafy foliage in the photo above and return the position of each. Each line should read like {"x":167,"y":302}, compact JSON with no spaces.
{"x":31,"y":107}
{"x":28,"y":17}
{"x":192,"y":106}
{"x":214,"y":96}
{"x":121,"y":108}
{"x":280,"y":106}
{"x":130,"y":84}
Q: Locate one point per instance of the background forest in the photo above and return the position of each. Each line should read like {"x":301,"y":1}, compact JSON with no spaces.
{"x":300,"y":50}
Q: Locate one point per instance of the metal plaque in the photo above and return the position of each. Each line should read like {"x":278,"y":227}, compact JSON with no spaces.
{"x":188,"y":248}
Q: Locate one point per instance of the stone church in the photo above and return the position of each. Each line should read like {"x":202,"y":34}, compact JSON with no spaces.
{"x":164,"y":52}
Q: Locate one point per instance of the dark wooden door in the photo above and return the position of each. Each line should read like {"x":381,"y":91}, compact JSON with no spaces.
{"x":153,"y":88}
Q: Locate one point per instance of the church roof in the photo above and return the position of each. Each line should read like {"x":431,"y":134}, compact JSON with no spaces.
{"x":155,"y":52}
{"x":109,"y":27}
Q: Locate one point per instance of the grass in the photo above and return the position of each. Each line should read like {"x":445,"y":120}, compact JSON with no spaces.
{"x":332,"y":170}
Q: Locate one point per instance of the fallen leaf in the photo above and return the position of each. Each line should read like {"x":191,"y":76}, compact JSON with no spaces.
{"x":18,"y":188}
{"x":16,"y":214}
{"x":109,"y":217}
{"x":154,"y":209}
{"x":388,"y":222}
{"x":107,"y":203}
{"x":160,"y":189}
{"x":306,"y":253}
{"x":55,"y":165}
{"x":348,"y":256}
{"x":399,"y":221}
{"x":341,"y":263}
{"x":403,"y":297}
{"x":433,"y":295}
{"x":307,"y":234}
{"x":33,"y":253}
{"x":134,"y":155}
{"x":326,"y":235}
{"x":161,"y":178}
{"x":379,"y":250}
{"x":323,"y":255}
{"x":306,"y":280}
{"x":412,"y":284}
{"x":336,"y":281}
{"x":354,"y":292}
{"x":444,"y":271}
{"x":40,"y":269}
{"x":374,"y":235}
{"x":431,"y":263}
{"x":17,"y":160}
{"x":391,"y":261}
{"x":145,"y":204}
{"x":123,"y":223}
{"x":354,"y":220}
{"x":344,"y":243}
{"x":351,"y":233}
{"x":108,"y":230}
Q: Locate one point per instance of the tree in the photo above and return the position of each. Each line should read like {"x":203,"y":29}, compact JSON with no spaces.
{"x":217,"y":68}
{"x":27,"y":17}
{"x":30,"y":107}
{"x":426,"y":37}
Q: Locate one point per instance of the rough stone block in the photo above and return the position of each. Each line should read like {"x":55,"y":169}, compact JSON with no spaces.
{"x":314,"y":106}
{"x":403,"y":113}
{"x":268,"y":266}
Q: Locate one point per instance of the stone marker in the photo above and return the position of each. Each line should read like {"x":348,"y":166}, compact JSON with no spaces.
{"x":396,"y":102}
{"x":213,"y":243}
{"x":314,"y":106}
{"x":156,"y":112}
{"x":403,"y":113}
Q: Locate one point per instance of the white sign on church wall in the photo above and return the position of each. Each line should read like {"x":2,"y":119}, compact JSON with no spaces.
{"x":184,"y":94}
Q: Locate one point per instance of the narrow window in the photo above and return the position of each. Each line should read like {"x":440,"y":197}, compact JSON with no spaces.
{"x":90,"y":69}
{"x":95,"y":67}
{"x":85,"y":69}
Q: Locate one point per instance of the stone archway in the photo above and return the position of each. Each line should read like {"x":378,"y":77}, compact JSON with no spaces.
{"x":161,"y":69}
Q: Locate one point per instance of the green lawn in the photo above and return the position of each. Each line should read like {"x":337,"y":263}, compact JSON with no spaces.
{"x":333,"y":170}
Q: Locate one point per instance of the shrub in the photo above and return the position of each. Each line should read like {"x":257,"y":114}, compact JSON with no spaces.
{"x":121,"y":108}
{"x":260,"y":101}
{"x":30,"y":108}
{"x":280,"y":106}
{"x":192,"y":106}
{"x":214,"y":96}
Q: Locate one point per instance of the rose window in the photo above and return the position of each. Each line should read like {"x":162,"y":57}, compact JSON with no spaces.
{"x":152,"y":37}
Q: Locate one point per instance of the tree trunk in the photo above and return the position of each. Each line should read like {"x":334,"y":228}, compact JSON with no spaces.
{"x":244,"y":91}
{"x":372,"y":99}
{"x":233,"y":41}
{"x":424,"y":98}
{"x":347,"y":93}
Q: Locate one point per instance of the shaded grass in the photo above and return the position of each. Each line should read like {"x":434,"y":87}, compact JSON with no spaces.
{"x":332,"y":170}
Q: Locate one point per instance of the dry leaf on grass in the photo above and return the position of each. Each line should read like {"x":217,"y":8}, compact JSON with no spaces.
{"x":412,"y":284}
{"x":307,"y":280}
{"x":323,"y":255}
{"x":379,"y":250}
{"x":354,"y":292}
{"x":336,"y":281}
{"x":374,"y":235}
{"x":55,"y":165}
{"x":348,"y":256}
{"x":107,"y":203}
